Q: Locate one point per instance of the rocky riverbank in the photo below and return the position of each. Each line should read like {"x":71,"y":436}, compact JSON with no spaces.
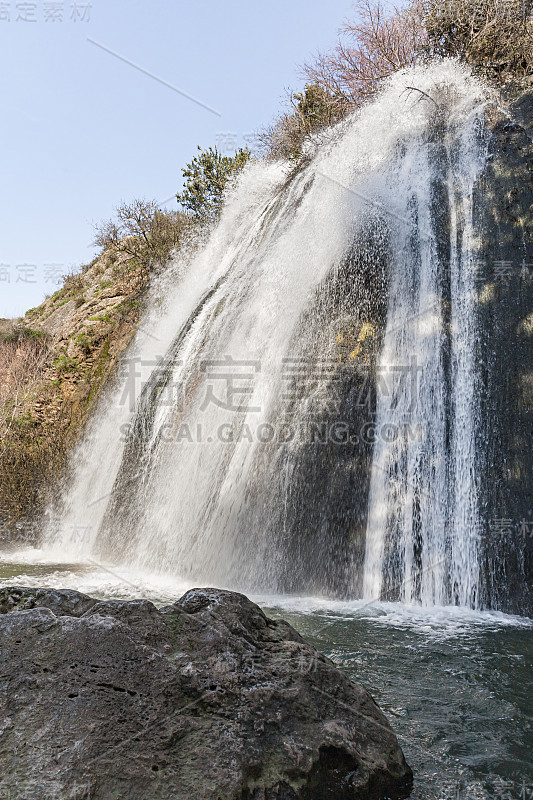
{"x":206,"y":699}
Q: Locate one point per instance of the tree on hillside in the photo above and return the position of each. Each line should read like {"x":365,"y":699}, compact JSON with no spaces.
{"x":143,"y":232}
{"x":371,"y":47}
{"x":314,"y":108}
{"x":207,"y":177}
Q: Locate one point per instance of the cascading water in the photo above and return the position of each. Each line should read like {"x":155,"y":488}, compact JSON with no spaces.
{"x":203,"y":461}
{"x":423,"y":526}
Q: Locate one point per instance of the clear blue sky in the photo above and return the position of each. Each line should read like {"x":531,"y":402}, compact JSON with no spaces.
{"x":83,"y":130}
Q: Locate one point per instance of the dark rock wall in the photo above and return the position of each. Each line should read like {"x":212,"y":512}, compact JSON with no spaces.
{"x":504,"y":220}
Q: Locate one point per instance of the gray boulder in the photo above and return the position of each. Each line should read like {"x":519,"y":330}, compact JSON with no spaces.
{"x":206,"y":699}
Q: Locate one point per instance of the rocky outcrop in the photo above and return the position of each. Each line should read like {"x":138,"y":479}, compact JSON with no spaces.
{"x":54,"y":364}
{"x":203,"y":699}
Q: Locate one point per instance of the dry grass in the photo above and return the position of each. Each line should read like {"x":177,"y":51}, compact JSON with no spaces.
{"x":23,"y":358}
{"x":24,"y":457}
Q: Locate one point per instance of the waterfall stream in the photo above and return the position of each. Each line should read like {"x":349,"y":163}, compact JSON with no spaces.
{"x":423,"y":524}
{"x":233,"y":449}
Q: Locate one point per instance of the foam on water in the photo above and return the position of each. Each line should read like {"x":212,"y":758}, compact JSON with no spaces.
{"x":33,"y":568}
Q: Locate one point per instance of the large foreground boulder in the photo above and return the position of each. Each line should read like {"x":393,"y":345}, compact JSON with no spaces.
{"x":206,"y":699}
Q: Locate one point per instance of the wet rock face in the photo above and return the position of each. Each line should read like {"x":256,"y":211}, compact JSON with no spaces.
{"x":503,"y":210}
{"x":205,"y":699}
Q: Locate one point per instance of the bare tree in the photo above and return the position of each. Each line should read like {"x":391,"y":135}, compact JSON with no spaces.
{"x":372,"y":47}
{"x":143,"y":232}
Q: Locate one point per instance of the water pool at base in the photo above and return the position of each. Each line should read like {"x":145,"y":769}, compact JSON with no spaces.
{"x":455,"y":684}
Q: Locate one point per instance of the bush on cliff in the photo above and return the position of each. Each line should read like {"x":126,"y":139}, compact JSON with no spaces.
{"x":313,"y":109}
{"x":207,"y":177}
{"x":494,"y":36}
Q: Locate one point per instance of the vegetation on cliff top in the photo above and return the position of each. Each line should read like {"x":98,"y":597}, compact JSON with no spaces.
{"x":495,"y":37}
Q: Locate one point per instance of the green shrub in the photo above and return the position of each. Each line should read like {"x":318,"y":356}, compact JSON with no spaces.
{"x":21,"y":334}
{"x":312,"y":110}
{"x":64,"y":364}
{"x":85,"y":343}
{"x":207,"y":178}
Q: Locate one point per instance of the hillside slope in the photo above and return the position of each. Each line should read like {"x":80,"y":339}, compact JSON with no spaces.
{"x":54,"y":363}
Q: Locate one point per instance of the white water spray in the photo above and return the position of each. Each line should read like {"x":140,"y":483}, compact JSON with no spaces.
{"x":423,"y":525}
{"x":185,"y":469}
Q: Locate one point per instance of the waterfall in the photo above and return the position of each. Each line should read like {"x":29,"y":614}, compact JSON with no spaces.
{"x":423,"y":517}
{"x":224,"y":455}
